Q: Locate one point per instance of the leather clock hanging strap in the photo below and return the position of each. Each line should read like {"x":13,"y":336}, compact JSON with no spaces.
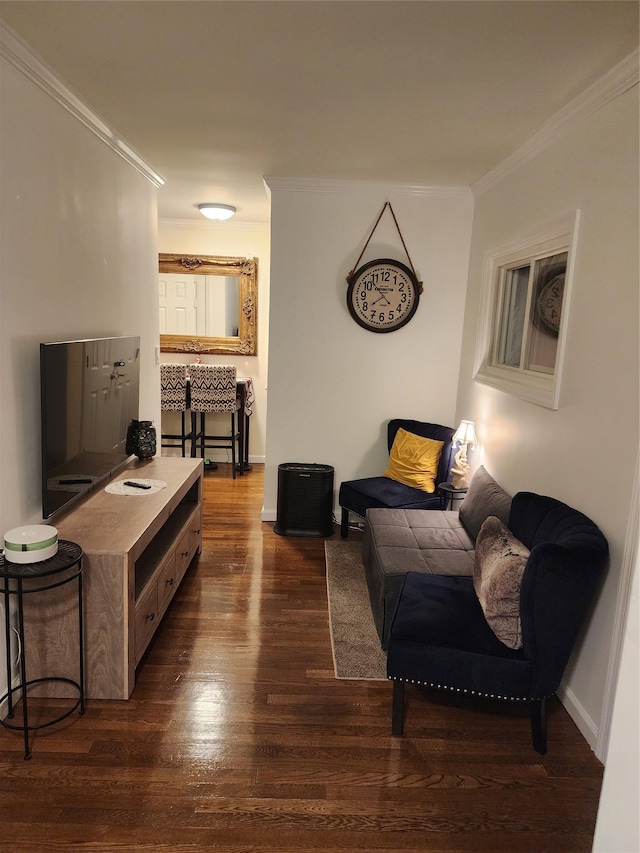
{"x":387,"y":204}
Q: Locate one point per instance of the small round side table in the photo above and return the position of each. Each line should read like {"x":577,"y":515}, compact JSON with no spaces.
{"x":20,"y":579}
{"x":448,"y":494}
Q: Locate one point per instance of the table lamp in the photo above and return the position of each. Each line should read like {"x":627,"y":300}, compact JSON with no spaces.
{"x":464,"y":435}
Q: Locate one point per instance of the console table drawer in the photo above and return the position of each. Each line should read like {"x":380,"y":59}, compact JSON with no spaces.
{"x":188,"y":545}
{"x":146,"y":620}
{"x":167,"y":582}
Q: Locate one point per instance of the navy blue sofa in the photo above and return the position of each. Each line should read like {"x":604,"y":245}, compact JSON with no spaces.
{"x":439,"y":636}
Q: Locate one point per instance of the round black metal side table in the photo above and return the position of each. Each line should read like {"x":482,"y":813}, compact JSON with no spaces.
{"x":448,"y":494}
{"x":20,"y":579}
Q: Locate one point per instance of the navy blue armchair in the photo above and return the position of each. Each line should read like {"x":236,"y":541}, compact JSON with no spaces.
{"x":439,"y":636}
{"x":357,"y":496}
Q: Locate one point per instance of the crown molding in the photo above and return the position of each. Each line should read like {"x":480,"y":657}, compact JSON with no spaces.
{"x":17,"y":52}
{"x":620,"y":79}
{"x":335,"y":185}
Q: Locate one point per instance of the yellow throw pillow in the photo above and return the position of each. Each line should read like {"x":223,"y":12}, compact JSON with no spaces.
{"x":414,"y":460}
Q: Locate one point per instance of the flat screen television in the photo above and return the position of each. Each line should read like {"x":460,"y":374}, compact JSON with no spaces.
{"x":89,"y":395}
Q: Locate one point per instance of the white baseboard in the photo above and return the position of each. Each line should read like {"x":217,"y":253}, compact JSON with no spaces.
{"x":576,"y":711}
{"x":216,"y":456}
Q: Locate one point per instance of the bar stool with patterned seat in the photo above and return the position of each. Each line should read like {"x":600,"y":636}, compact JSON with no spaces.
{"x":213,"y":390}
{"x":173,"y":398}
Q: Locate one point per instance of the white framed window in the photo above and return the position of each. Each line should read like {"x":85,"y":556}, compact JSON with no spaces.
{"x":524,"y":311}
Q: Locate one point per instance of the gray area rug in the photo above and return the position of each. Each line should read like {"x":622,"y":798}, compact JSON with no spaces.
{"x":354,"y":640}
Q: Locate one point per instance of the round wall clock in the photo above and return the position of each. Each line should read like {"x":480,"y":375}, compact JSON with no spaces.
{"x":383,"y":295}
{"x":549,"y":304}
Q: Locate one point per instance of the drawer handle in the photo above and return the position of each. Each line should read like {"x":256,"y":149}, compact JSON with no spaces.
{"x":170,"y":581}
{"x":151,"y":617}
{"x":185,"y":553}
{"x":197,"y":532}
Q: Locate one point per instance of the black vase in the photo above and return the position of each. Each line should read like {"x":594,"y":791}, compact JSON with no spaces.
{"x":141,"y":439}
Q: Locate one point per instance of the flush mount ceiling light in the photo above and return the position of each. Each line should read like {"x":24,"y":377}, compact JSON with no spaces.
{"x":216,"y":211}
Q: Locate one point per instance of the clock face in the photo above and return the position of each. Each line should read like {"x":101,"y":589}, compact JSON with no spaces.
{"x":549,"y":304}
{"x":383,"y":295}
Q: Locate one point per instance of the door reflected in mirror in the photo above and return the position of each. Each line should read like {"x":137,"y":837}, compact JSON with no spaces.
{"x":199,"y":305}
{"x":207,"y":304}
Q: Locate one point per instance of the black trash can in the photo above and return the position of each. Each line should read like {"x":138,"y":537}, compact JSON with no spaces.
{"x":305,"y":500}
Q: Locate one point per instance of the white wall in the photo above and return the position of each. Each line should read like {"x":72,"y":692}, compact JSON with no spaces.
{"x":233,"y":239}
{"x":78,"y":258}
{"x":583,"y":453}
{"x":618,"y":825}
{"x":334,"y":385}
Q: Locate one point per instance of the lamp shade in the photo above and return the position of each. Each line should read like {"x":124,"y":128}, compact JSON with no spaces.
{"x":466,"y":433}
{"x":216,"y":211}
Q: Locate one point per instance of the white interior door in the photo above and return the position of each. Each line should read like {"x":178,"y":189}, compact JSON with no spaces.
{"x":182,"y":304}
{"x":107,"y":377}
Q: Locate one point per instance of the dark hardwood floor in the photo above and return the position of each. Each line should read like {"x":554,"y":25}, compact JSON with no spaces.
{"x":238,"y":738}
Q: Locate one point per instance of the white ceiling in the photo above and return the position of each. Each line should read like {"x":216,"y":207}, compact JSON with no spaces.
{"x":216,"y":94}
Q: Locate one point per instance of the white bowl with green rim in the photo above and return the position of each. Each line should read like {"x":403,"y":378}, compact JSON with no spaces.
{"x":32,"y":543}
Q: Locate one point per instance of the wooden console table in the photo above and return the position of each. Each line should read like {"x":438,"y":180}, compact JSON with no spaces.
{"x":136,"y":551}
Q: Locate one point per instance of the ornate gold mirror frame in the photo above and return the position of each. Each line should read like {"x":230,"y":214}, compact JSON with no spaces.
{"x":246,"y":269}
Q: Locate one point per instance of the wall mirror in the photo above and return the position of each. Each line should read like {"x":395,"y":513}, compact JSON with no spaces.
{"x":208,"y":304}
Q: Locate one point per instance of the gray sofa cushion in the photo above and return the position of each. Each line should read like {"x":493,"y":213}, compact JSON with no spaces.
{"x":397,"y":541}
{"x":484,"y":498}
{"x":433,"y":541}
